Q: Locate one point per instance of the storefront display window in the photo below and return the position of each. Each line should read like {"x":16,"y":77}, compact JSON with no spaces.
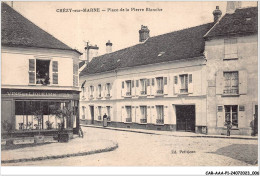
{"x":40,"y":115}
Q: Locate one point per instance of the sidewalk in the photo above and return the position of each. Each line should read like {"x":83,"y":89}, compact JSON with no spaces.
{"x":75,"y":147}
{"x":175,"y":133}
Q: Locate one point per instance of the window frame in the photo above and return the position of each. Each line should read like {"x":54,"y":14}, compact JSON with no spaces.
{"x":228,"y":90}
{"x":185,"y":81}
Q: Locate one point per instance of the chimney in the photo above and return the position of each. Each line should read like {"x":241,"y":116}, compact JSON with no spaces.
{"x":232,"y":6}
{"x":143,"y":33}
{"x":90,"y":52}
{"x":217,"y":14}
{"x":109,"y":46}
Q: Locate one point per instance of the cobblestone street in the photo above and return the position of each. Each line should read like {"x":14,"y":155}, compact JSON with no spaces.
{"x":136,"y":149}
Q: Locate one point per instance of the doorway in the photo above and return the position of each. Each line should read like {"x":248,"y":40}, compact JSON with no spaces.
{"x":185,"y":117}
{"x":92,"y":114}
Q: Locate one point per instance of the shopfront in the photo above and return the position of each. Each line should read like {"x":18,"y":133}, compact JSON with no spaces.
{"x":37,"y":110}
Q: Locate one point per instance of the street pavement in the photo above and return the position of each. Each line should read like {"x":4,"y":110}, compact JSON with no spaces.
{"x":140,"y":149}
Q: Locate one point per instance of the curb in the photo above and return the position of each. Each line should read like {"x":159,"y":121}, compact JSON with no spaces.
{"x":143,"y":132}
{"x":107,"y":149}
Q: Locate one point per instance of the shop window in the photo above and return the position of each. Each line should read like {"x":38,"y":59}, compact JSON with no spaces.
{"x":184,"y":83}
{"x":231,"y":115}
{"x":38,"y":115}
{"x":231,"y":83}
{"x":143,"y":110}
{"x":160,"y":115}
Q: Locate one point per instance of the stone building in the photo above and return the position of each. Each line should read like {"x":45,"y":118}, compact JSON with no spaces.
{"x":232,"y":72}
{"x":172,"y":81}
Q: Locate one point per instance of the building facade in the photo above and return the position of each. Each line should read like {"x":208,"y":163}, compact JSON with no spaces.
{"x":39,"y":76}
{"x":232,"y":72}
{"x":187,"y":80}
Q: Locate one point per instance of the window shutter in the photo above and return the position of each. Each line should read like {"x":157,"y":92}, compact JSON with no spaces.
{"x":75,"y":74}
{"x":32,"y":71}
{"x":134,"y":87}
{"x":165,"y":86}
{"x":153,"y":114}
{"x":133,"y":113}
{"x":219,"y":82}
{"x":137,"y":91}
{"x":242,"y":76}
{"x":190,"y":84}
{"x":55,"y":70}
{"x":166,"y":114}
{"x":123,"y":89}
{"x":176,"y":85}
{"x":149,"y":115}
{"x":148,"y":87}
{"x":152,"y":87}
{"x":220,"y":116}
{"x":242,"y":118}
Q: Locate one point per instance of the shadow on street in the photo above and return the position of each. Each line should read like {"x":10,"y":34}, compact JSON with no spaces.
{"x":244,"y":152}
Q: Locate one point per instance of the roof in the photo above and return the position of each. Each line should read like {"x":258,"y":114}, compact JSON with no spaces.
{"x":18,"y":31}
{"x":184,"y":44}
{"x":243,"y":21}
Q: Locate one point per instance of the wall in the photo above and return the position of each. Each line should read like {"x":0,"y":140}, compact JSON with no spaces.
{"x":246,"y":64}
{"x":15,"y":65}
{"x":197,"y":97}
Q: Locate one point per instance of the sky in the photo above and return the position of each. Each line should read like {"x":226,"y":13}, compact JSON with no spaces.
{"x":121,"y":28}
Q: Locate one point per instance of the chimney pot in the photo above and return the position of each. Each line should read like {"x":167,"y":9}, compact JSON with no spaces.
{"x":109,"y":46}
{"x":217,"y":14}
{"x":144,"y":33}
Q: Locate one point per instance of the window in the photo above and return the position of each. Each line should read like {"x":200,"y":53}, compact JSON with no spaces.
{"x":99,"y":91}
{"x":128,"y":88}
{"x":108,"y":89}
{"x":184,"y":83}
{"x":143,"y":87}
{"x":231,"y":115}
{"x":75,"y":74}
{"x":143,"y":110}
{"x":160,"y":115}
{"x":108,"y":113}
{"x":37,"y":115}
{"x":42,"y":72}
{"x":91,"y":91}
{"x":159,"y":82}
{"x":83,"y":92}
{"x":230,"y":83}
{"x":128,"y":113}
{"x":83,"y":112}
{"x":230,"y":48}
{"x":99,"y":112}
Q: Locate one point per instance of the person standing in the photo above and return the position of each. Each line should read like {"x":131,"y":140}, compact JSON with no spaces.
{"x":105,"y":120}
{"x":228,"y":123}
